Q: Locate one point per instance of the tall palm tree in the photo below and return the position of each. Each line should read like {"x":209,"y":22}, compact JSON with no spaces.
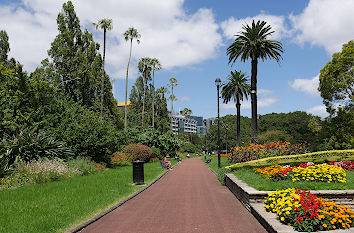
{"x":144,"y":67}
{"x":155,"y":65}
{"x":106,"y":25}
{"x":236,"y":88}
{"x":172,"y":83}
{"x":252,"y":43}
{"x":129,"y":35}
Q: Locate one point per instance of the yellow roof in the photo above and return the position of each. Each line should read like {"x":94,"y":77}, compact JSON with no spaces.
{"x":122,"y":104}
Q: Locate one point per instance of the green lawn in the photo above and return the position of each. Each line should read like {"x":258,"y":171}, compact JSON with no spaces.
{"x":59,"y":206}
{"x":213,"y":165}
{"x":260,"y":183}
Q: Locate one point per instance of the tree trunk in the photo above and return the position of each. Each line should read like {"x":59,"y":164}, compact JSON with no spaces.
{"x":126,"y":88}
{"x":102,"y":81}
{"x":153,"y":97}
{"x":172,"y":101}
{"x":254,"y":101}
{"x":142,"y":113}
{"x":238,"y":119}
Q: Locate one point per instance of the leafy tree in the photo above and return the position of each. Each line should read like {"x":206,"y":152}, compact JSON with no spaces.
{"x":4,"y":46}
{"x":252,"y":43}
{"x":106,"y":25}
{"x":155,"y":65}
{"x":337,"y":79}
{"x":236,"y":88}
{"x":129,"y":35}
{"x":172,"y":83}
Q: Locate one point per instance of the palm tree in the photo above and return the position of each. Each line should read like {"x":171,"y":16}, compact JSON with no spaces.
{"x":155,"y":65}
{"x":172,"y":83}
{"x":144,"y":67}
{"x":236,"y":88}
{"x":129,"y":34}
{"x":186,"y":112}
{"x":252,"y":43}
{"x":106,"y":25}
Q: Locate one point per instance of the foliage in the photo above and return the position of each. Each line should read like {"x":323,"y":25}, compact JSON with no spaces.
{"x":273,"y":136}
{"x":167,"y":143}
{"x":46,"y":170}
{"x":306,"y":212}
{"x":4,"y":46}
{"x":120,"y":159}
{"x":28,"y":145}
{"x":156,"y":153}
{"x":85,"y":132}
{"x":138,"y":152}
{"x":252,"y":152}
{"x":316,"y":157}
{"x":189,"y":147}
{"x":337,"y":79}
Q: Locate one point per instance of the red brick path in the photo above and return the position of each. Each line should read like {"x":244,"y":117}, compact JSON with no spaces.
{"x":186,"y":200}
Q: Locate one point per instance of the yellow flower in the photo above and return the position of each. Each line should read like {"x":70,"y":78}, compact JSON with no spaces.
{"x":282,"y":218}
{"x":324,"y":225}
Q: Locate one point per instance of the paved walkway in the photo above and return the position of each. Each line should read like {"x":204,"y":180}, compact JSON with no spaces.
{"x":187,"y":199}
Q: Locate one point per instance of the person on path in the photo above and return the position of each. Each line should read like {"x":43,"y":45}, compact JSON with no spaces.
{"x":168,"y":163}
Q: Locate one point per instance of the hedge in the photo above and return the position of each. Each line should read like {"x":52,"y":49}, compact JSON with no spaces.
{"x":316,"y":157}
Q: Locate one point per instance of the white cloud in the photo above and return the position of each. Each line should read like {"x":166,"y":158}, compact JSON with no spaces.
{"x":184,"y":98}
{"x":326,"y":23}
{"x":264,"y":100}
{"x":233,"y":26}
{"x":176,"y":38}
{"x":319,"y":110}
{"x":306,"y":85}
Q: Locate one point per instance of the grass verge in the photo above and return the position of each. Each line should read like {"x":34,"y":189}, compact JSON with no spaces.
{"x":258,"y":182}
{"x":60,"y":206}
{"x":213,"y":165}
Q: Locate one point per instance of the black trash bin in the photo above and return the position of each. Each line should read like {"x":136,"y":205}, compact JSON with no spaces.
{"x":138,"y":172}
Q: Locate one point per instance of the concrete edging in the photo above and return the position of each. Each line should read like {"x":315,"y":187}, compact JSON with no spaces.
{"x":252,"y":199}
{"x":105,"y":212}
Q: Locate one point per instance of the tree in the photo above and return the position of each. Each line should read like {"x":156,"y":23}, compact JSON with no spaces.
{"x":186,"y":112}
{"x":236,"y":88}
{"x":4,"y":46}
{"x":337,"y":79}
{"x":129,"y":35}
{"x":144,"y":67}
{"x":106,"y":25}
{"x":252,"y":43}
{"x":172,"y":83}
{"x":155,"y":65}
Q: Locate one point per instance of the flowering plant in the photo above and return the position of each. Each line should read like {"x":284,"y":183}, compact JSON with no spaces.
{"x":347,"y":165}
{"x":306,"y":212}
{"x":256,"y":151}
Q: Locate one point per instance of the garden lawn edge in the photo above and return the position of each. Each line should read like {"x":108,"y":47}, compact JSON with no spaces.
{"x":105,"y":212}
{"x":316,"y":157}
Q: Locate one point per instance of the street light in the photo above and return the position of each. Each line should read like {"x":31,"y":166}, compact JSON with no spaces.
{"x":217,"y":83}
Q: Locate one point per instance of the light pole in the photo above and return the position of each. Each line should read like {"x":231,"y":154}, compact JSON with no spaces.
{"x":217,"y":83}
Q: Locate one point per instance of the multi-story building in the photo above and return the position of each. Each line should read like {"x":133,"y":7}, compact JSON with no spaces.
{"x":208,"y":122}
{"x":181,"y":124}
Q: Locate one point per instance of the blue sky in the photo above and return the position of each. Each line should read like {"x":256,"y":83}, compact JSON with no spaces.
{"x":190,"y":39}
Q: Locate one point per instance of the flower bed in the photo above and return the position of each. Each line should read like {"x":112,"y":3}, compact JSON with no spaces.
{"x":304,"y":172}
{"x":257,"y":151}
{"x":306,"y":212}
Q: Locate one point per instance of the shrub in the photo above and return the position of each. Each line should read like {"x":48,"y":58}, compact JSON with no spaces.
{"x":29,"y":145}
{"x":316,"y":157}
{"x":46,"y":170}
{"x":138,"y":152}
{"x":87,"y":134}
{"x":188,"y":147}
{"x":83,"y":165}
{"x":156,"y":153}
{"x":120,"y":159}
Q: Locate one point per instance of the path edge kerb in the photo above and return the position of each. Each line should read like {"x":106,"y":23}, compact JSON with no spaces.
{"x":105,"y":212}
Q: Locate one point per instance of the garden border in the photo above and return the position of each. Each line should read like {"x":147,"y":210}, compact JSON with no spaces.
{"x":105,"y":212}
{"x":252,"y":199}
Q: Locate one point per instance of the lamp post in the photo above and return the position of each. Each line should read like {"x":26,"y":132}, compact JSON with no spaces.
{"x":217,"y":83}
